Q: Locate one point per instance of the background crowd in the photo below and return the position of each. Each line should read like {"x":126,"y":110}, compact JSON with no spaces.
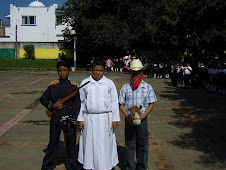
{"x":210,"y":76}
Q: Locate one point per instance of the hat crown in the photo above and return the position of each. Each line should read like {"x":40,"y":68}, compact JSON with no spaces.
{"x":136,"y":65}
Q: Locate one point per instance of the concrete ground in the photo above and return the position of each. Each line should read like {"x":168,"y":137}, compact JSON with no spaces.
{"x":187,"y":126}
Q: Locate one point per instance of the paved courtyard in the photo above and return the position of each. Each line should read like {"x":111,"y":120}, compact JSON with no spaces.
{"x":187,"y":126}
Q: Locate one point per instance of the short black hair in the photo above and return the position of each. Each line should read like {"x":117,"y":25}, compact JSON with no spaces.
{"x":98,"y":62}
{"x":64,"y":63}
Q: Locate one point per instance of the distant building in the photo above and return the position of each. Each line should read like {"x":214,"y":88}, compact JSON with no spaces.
{"x":36,"y":24}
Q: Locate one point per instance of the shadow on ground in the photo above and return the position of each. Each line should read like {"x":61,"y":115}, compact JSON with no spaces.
{"x":206,"y":117}
{"x":60,"y":157}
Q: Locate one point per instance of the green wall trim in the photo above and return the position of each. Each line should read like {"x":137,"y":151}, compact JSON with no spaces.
{"x":7,"y":53}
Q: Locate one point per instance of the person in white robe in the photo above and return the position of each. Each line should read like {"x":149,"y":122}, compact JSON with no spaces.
{"x":98,"y":119}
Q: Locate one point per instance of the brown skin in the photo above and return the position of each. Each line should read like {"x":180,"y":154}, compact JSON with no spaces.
{"x":122,"y":107}
{"x":63,"y":73}
{"x":135,"y":73}
{"x":126,"y":114}
{"x":97,"y":74}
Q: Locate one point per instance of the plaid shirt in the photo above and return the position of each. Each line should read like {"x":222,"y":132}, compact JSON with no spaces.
{"x":144,"y":95}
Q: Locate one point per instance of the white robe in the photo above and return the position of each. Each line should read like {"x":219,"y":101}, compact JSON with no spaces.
{"x":99,"y":107}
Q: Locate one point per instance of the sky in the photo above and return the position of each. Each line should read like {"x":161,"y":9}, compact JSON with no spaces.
{"x":5,"y":5}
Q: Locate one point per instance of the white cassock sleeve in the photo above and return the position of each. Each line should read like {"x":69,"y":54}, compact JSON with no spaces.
{"x":83,"y":99}
{"x":115,"y":106}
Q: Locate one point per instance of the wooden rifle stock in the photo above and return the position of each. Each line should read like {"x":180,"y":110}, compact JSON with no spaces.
{"x":49,"y":113}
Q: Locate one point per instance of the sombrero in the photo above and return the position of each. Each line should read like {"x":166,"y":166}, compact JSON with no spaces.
{"x":137,"y":65}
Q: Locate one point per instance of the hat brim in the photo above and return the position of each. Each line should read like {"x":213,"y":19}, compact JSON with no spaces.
{"x":137,"y":68}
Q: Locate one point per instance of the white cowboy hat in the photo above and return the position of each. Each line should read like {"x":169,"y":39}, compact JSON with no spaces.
{"x":137,"y":65}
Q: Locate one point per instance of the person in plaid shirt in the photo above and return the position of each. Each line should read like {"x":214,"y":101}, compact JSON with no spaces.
{"x":135,"y":93}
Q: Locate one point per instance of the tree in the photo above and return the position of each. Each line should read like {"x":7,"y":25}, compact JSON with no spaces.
{"x":112,"y":27}
{"x":195,"y":25}
{"x":109,"y":27}
{"x":29,"y":51}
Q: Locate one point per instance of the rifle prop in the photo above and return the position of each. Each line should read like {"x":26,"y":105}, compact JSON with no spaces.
{"x":49,"y":113}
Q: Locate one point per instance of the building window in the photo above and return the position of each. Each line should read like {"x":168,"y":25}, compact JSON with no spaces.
{"x":28,"y":20}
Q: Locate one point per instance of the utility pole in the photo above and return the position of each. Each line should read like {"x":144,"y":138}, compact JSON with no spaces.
{"x":73,"y":32}
{"x":16,"y":44}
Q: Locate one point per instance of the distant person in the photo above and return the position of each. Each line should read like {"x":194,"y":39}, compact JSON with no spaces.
{"x":187,"y":70}
{"x":181,"y":76}
{"x":108,"y":64}
{"x":116,"y":65}
{"x":213,"y":71}
{"x":121,"y":64}
{"x":201,"y":74}
{"x":161,"y":70}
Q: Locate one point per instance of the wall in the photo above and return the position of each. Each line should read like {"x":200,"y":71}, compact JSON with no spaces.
{"x":7,"y":53}
{"x":48,"y":50}
{"x":43,"y":53}
{"x":7,"y":50}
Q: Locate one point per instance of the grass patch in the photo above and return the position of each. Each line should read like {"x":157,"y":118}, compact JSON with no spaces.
{"x":27,"y":63}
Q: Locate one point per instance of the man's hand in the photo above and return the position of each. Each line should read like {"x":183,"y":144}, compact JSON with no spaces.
{"x":114,"y":125}
{"x":148,"y":110}
{"x":142,"y":117}
{"x":123,"y":110}
{"x":129,"y":120}
{"x":58,"y":106}
{"x":81,"y":125}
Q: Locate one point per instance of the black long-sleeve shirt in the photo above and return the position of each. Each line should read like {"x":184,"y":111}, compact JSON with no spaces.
{"x":56,"y":91}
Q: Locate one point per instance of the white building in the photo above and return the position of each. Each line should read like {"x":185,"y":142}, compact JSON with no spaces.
{"x":34,"y":24}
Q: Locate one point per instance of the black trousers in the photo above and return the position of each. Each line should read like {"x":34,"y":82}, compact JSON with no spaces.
{"x":186,"y":80}
{"x":53,"y":144}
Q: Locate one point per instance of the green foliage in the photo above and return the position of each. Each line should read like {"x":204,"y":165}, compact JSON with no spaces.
{"x":111,"y":27}
{"x":29,"y":51}
{"x":196,"y":25}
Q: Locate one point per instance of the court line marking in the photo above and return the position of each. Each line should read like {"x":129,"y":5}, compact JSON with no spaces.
{"x":12,"y":122}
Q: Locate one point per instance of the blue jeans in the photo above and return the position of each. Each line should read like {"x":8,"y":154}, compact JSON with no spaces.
{"x":136,"y":140}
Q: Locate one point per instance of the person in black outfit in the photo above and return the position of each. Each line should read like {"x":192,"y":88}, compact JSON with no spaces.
{"x":64,"y":117}
{"x":121,"y":65}
{"x":116,"y":65}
